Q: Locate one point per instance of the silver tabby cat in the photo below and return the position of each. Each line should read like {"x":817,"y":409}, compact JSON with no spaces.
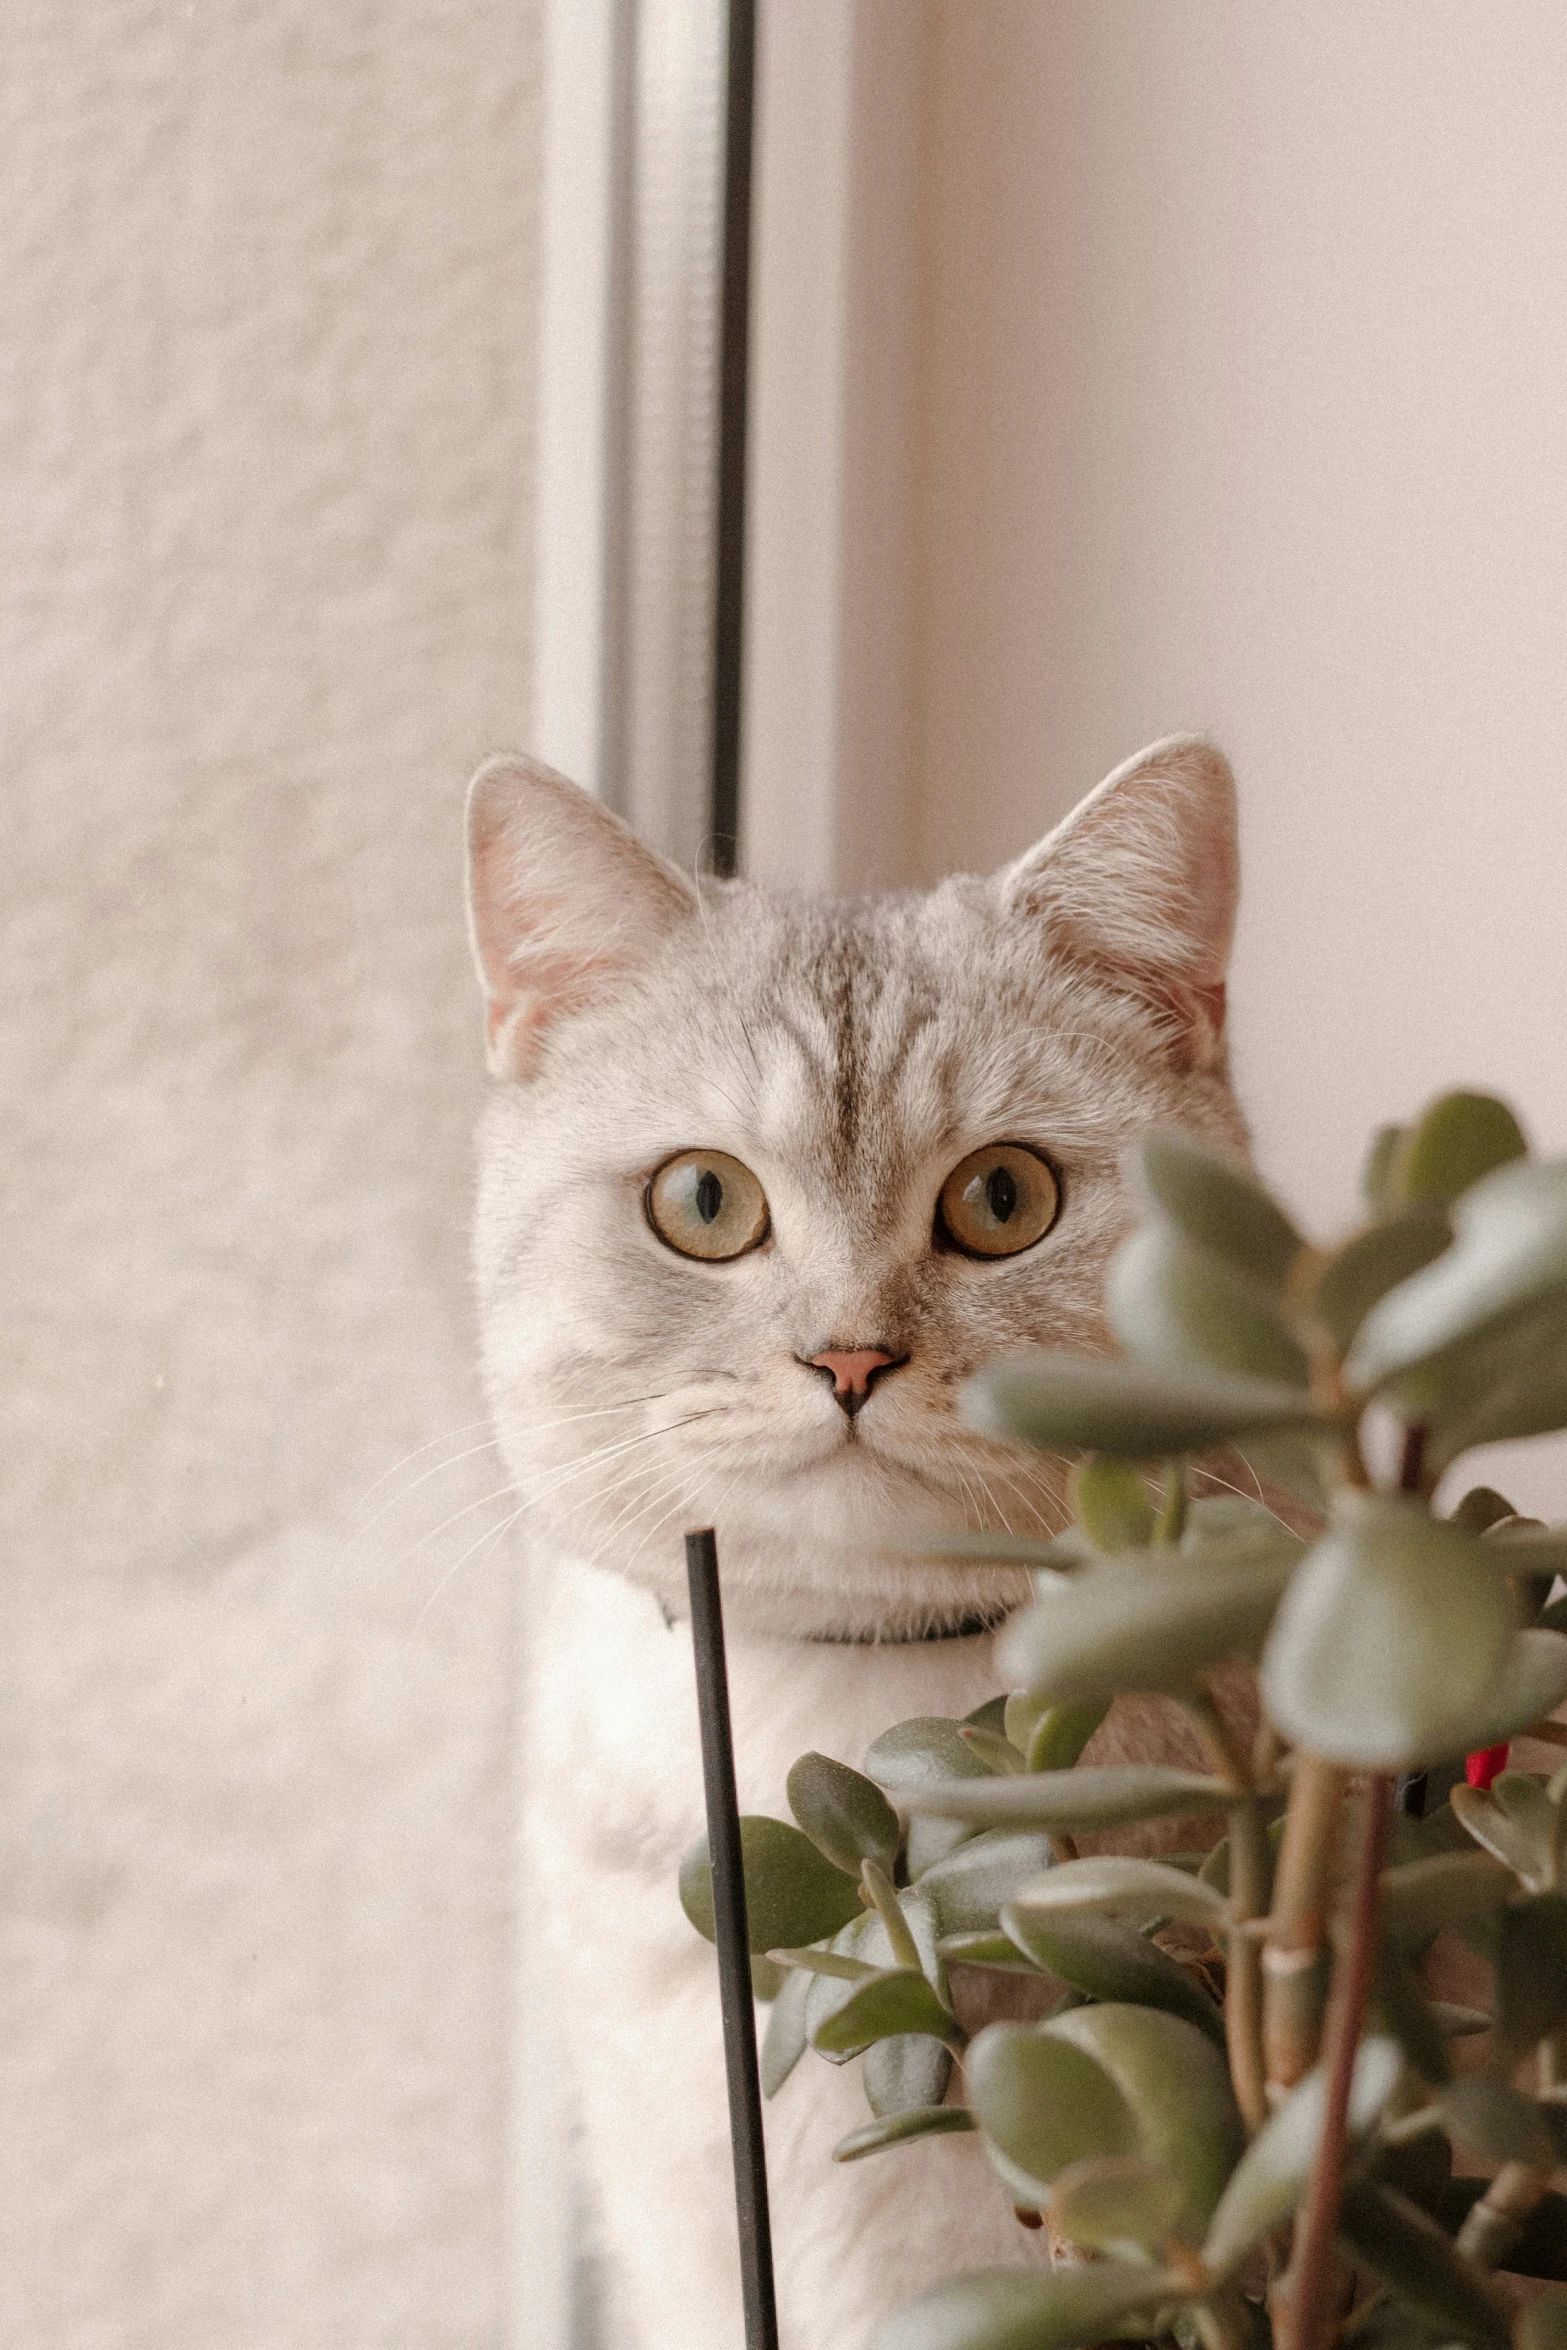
{"x":763,"y":1180}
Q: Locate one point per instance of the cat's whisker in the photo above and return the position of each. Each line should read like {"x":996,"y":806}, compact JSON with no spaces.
{"x":394,"y":1500}
{"x":500,"y":1493}
{"x":971,"y":1502}
{"x":1050,"y":1520}
{"x":486,"y":1541}
{"x":567,"y":1472}
{"x":1226,"y":1485}
{"x":666,"y":1488}
{"x":445,"y":1437}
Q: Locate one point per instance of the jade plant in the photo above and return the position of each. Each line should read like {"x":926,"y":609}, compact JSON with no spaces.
{"x":1239,"y":2110}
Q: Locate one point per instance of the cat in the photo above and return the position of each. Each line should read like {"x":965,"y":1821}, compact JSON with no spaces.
{"x":724,"y":1279}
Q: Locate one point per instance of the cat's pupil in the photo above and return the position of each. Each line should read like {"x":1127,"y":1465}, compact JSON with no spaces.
{"x":708,"y":1196}
{"x":1000,"y":1193}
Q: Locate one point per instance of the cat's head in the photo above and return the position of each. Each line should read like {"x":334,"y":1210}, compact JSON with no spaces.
{"x":765,"y":1178}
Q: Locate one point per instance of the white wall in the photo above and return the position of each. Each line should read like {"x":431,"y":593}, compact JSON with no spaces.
{"x":1243,"y":406}
{"x":265,"y":445}
{"x":828,"y":703}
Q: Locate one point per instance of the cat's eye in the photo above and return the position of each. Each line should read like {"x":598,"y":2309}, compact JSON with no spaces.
{"x":998,"y":1201}
{"x":706,"y":1204}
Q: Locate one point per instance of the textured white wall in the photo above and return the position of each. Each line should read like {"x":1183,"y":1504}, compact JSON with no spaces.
{"x":1242,"y":378}
{"x":267,"y":275}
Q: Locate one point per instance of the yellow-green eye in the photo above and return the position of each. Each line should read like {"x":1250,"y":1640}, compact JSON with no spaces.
{"x":705,"y":1204}
{"x":998,"y":1200}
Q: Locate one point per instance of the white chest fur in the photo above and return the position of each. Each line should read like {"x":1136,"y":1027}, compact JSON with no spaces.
{"x":613,"y":1798}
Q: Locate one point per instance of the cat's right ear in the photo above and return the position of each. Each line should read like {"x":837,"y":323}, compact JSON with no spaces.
{"x":564,"y":904}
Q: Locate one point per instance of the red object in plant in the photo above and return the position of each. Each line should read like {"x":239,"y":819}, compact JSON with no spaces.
{"x":1482,"y":1768}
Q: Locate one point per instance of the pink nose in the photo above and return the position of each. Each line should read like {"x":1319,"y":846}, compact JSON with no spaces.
{"x":852,"y":1369}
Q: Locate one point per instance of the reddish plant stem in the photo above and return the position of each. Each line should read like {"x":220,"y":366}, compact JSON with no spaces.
{"x":1306,"y":2287}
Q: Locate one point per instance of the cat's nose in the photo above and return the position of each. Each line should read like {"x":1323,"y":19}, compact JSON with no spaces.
{"x":853,"y":1370}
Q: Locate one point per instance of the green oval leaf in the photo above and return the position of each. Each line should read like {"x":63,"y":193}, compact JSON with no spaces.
{"x":905,"y":2073}
{"x":1450,"y":1889}
{"x":927,"y":1841}
{"x":792,"y":1895}
{"x":972,"y":1885}
{"x":1050,"y":1737}
{"x":1172,"y":1304}
{"x":1018,"y":2309}
{"x":1507,"y":1381}
{"x":1110,"y":1502}
{"x":893,"y":2003}
{"x":1393,"y":1631}
{"x":1509,"y":1252}
{"x":1484,"y":1819}
{"x":1071,"y":1403}
{"x":988,"y":1950}
{"x":925,"y":1752}
{"x":897,"y":2129}
{"x":1230,"y":1529}
{"x":1176,"y":2085}
{"x":993,"y":1748}
{"x":1105,"y":1959}
{"x":1121,"y":1885}
{"x":784,"y":2041}
{"x":865,"y":1942}
{"x":1402,"y":2011}
{"x":1270,"y":2177}
{"x":1410,"y":2253}
{"x":1100,"y":1797}
{"x":1526,"y":1803}
{"x":1531,"y":1684}
{"x":1116,"y":2202}
{"x":845,"y":1815}
{"x":1219,"y":1207}
{"x":1531,"y":1971}
{"x":1497,"y":2122}
{"x":1377,"y":1173}
{"x":1522,"y":1547}
{"x":1481,"y":1508}
{"x":1043,"y":2104}
{"x":1461,"y":1137}
{"x":1375,"y":1261}
{"x":1156,"y":1626}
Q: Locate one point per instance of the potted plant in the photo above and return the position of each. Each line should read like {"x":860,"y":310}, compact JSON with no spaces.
{"x":1240,"y":2109}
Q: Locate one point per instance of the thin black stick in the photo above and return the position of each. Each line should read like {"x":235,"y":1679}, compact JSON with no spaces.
{"x":734,"y":1948}
{"x":734,"y":334}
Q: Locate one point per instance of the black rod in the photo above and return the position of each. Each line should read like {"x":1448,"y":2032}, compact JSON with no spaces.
{"x":729,"y":574}
{"x":734,"y":1948}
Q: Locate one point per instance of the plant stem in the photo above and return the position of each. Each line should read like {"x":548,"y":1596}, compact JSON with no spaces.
{"x":1294,"y":1964}
{"x":876,"y":1882}
{"x":1306,"y":2285}
{"x":1243,"y":1971}
{"x":1248,"y":1898}
{"x":1496,"y":2222}
{"x":1214,"y":1731}
{"x":1222,"y":2322}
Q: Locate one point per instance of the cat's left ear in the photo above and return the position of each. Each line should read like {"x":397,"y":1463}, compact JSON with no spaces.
{"x":565,"y":904}
{"x":1140,"y":884}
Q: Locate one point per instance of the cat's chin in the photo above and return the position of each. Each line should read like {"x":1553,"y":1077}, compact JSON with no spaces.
{"x":834,"y":1549}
